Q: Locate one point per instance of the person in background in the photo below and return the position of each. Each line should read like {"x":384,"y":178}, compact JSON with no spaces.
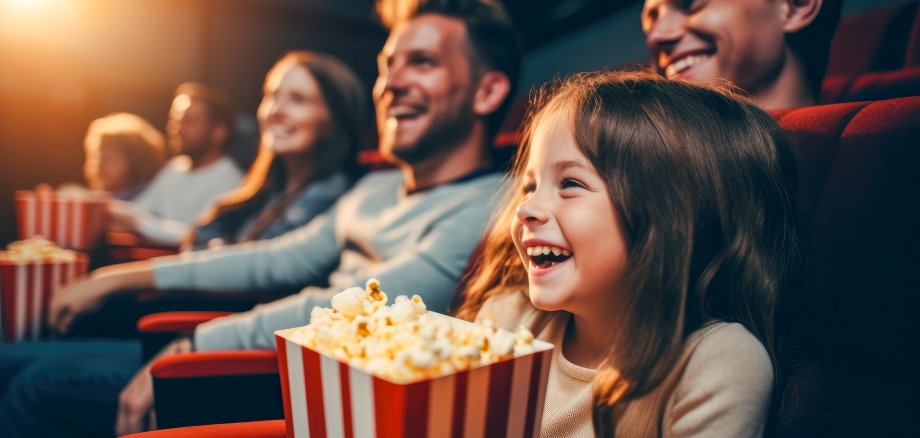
{"x":123,"y":153}
{"x":648,"y":235}
{"x":445,"y":75}
{"x":312,"y":119}
{"x":200,"y":126}
{"x":775,"y":50}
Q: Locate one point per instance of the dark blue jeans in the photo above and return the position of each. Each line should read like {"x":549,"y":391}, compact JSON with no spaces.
{"x":64,"y":388}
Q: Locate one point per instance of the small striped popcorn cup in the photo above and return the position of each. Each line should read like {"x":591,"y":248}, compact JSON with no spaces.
{"x":72,"y":221}
{"x":327,"y":397}
{"x":25,"y":290}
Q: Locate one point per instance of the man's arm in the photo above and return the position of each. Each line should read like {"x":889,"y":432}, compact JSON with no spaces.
{"x":431,"y":269}
{"x":296,"y":258}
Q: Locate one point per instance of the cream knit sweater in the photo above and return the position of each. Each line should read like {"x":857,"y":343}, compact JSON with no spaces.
{"x":720,"y":387}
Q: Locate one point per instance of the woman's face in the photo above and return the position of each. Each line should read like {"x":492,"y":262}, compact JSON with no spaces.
{"x":566,"y":229}
{"x":293,"y":115}
{"x":106,"y":168}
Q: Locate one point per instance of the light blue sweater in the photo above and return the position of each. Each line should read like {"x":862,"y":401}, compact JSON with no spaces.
{"x":415,"y":243}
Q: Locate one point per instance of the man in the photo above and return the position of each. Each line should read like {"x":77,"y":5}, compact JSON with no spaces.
{"x":776,"y":50}
{"x":445,"y":75}
{"x":200,"y":127}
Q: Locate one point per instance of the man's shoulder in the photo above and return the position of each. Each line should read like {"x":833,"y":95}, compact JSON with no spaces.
{"x":380,"y":180}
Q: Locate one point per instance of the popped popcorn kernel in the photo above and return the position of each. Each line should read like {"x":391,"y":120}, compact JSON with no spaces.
{"x":36,"y":250}
{"x":402,"y":341}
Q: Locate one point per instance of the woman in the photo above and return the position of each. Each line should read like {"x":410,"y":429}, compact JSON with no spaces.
{"x":312,"y":118}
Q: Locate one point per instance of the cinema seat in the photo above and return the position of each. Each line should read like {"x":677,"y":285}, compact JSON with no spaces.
{"x":881,"y":39}
{"x":847,"y":329}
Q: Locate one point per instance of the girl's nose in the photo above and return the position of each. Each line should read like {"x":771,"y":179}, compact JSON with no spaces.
{"x":530,"y":213}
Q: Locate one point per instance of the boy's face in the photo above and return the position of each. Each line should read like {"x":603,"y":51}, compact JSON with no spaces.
{"x":566,"y":229}
{"x":742,"y":41}
{"x":424,"y":91}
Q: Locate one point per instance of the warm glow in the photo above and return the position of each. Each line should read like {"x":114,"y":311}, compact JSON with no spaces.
{"x":27,"y":4}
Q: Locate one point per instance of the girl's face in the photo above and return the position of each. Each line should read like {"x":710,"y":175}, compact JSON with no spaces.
{"x":106,"y":169}
{"x":293,"y":115}
{"x":566,"y":230}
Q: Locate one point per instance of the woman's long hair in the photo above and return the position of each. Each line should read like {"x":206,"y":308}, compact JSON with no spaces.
{"x":344,"y":95}
{"x":702,"y":181}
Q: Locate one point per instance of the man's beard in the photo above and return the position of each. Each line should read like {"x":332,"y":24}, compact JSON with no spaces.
{"x":442,"y":135}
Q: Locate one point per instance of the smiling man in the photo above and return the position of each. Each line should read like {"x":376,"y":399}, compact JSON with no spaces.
{"x":445,"y":76}
{"x":776,"y":50}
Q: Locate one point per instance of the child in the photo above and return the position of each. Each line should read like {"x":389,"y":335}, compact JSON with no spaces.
{"x":123,"y":153}
{"x":654,"y":222}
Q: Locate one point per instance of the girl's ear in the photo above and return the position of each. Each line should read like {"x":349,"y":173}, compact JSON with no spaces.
{"x":491,"y":91}
{"x":799,"y":14}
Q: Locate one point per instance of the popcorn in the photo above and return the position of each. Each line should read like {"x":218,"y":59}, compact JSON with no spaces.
{"x":402,"y":341}
{"x":37,"y":249}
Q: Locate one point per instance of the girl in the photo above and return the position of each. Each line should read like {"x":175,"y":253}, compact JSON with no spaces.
{"x":312,"y":120}
{"x":654,"y":222}
{"x":123,"y":153}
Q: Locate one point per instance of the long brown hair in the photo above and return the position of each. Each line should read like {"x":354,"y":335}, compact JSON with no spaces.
{"x":344,"y":95}
{"x":701,"y":179}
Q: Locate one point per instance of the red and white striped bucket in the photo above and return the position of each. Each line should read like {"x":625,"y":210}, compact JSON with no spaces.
{"x":25,"y":290}
{"x":71,"y":222}
{"x":326,"y":397}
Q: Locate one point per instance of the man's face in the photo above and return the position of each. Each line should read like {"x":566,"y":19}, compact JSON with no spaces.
{"x":742,"y":41}
{"x":424,"y":91}
{"x":189,"y":128}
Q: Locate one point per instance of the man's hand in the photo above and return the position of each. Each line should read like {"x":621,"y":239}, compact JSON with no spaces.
{"x":135,"y":403}
{"x":70,"y":301}
{"x":84,"y":295}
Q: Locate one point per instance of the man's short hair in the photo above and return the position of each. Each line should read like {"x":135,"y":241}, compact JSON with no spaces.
{"x":220,"y":107}
{"x":812,"y":44}
{"x":496,"y":44}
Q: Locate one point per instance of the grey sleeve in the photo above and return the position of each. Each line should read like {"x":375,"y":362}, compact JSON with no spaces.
{"x":297,"y":258}
{"x":431,"y":270}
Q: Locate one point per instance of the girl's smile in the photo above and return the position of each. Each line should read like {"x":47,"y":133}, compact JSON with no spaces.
{"x":545,"y":256}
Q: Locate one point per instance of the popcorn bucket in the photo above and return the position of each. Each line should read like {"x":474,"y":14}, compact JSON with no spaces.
{"x":26,"y":288}
{"x":75,"y":222}
{"x":327,"y":397}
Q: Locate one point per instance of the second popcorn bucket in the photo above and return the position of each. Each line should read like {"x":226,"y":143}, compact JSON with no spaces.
{"x":72,"y":220}
{"x":334,"y":387}
{"x":30,"y":272}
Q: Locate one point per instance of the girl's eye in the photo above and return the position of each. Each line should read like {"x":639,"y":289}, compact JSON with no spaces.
{"x":527,"y":189}
{"x":569,"y":183}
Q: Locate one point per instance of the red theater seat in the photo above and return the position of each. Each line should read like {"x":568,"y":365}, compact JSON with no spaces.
{"x":881,"y":39}
{"x":847,"y":330}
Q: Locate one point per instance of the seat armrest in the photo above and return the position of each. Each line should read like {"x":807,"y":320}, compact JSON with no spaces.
{"x":252,"y":429}
{"x":215,"y":363}
{"x":175,"y":322}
